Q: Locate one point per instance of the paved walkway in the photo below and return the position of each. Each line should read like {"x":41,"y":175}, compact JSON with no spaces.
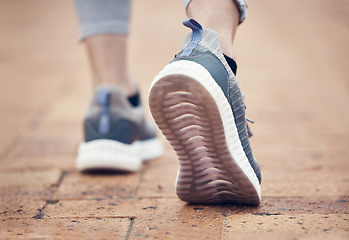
{"x":293,"y":67}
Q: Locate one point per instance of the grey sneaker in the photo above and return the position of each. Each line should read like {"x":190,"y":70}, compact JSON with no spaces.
{"x":198,"y":105}
{"x":117,"y":136}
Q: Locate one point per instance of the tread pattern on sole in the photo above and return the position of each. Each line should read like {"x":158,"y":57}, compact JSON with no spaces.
{"x":188,"y":107}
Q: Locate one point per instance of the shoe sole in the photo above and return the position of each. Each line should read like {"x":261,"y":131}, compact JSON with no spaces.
{"x":113,"y":155}
{"x":196,"y":118}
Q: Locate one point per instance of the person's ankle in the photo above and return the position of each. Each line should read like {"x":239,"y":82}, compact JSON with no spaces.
{"x":129,"y":88}
{"x":227,"y":49}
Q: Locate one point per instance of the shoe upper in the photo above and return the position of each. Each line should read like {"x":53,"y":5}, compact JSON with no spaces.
{"x":111,"y":116}
{"x":202,"y":46}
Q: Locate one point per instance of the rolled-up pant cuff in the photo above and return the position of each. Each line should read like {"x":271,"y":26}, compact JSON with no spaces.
{"x":241,"y":5}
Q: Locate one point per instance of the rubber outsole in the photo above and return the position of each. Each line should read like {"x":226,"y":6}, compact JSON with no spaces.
{"x":195,"y":117}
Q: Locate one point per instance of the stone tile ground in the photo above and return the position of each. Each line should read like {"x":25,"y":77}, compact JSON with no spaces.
{"x":293,"y":68}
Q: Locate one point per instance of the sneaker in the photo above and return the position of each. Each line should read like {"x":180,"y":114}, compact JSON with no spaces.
{"x":197,"y":103}
{"x":117,"y":136}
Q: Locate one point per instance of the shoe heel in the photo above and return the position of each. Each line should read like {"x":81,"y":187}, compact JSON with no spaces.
{"x":191,"y":120}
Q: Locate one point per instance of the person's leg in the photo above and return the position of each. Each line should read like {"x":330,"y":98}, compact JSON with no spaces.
{"x":222,"y":16}
{"x":104,"y":26}
{"x":117,"y":135}
{"x":108,"y":60}
{"x":197,"y":103}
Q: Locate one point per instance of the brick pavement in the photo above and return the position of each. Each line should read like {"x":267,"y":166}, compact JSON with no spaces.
{"x":293,"y":67}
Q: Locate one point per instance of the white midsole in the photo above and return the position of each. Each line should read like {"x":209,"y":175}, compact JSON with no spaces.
{"x":150,"y":149}
{"x":110,"y":154}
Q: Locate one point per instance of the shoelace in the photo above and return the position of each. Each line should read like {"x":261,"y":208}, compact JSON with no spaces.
{"x":249,"y":132}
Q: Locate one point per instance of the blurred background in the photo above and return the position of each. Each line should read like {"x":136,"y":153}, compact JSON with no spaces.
{"x":293,"y":67}
{"x":293,"y":59}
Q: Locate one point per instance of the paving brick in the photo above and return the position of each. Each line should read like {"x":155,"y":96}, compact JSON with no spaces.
{"x":64,"y":162}
{"x":170,"y":218}
{"x":43,"y":152}
{"x":19,"y":207}
{"x":35,"y":184}
{"x":293,"y":205}
{"x":297,"y":224}
{"x":159,"y":176}
{"x":101,"y":208}
{"x":295,"y":82}
{"x":341,"y":235}
{"x":305,"y":186}
{"x":23,"y":193}
{"x":29,"y":178}
{"x":302,"y":135}
{"x":65,"y":228}
{"x":309,"y":172}
{"x":76,"y":185}
{"x":162,"y":218}
{"x":65,"y":116}
{"x":174,"y":219}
